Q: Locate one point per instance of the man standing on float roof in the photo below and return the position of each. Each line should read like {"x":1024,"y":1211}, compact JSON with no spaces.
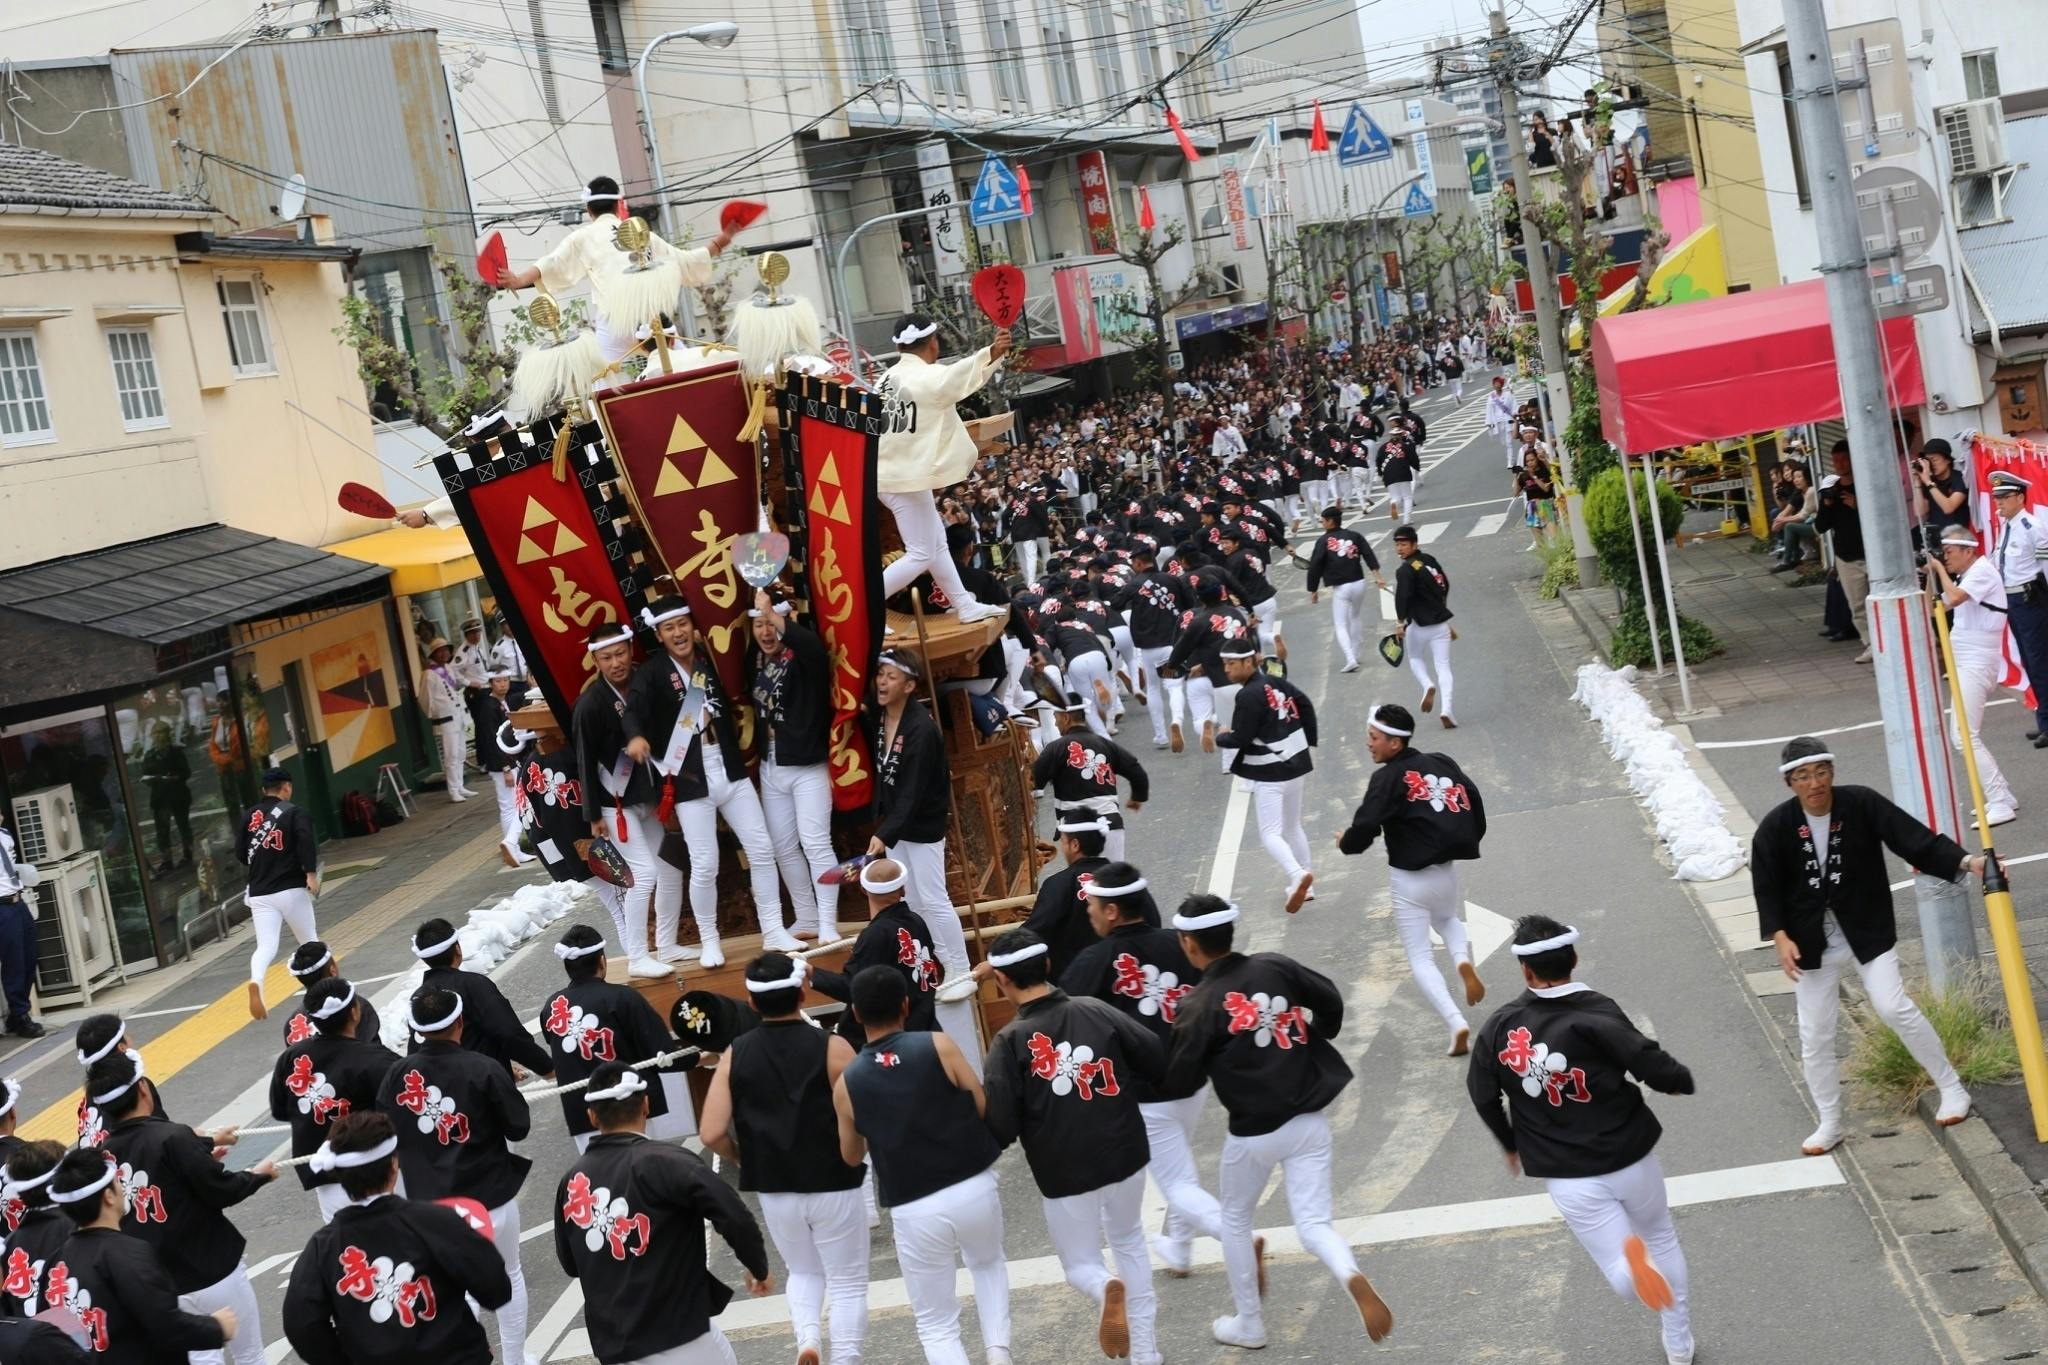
{"x":934,"y":451}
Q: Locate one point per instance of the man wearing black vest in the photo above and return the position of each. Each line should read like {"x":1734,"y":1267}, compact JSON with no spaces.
{"x":912,"y":1101}
{"x":629,"y":1229}
{"x":770,"y":1112}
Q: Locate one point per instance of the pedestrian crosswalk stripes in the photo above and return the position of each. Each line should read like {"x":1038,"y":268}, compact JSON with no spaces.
{"x":1487,"y":525}
{"x":1427,"y":533}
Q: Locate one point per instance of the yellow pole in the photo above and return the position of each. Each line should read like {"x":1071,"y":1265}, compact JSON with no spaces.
{"x":2005,"y":928}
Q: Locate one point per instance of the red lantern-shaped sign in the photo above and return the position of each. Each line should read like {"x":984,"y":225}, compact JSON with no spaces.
{"x":999,"y":290}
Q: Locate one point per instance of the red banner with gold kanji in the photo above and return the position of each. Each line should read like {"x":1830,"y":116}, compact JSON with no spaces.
{"x":695,"y":487}
{"x":837,"y":433}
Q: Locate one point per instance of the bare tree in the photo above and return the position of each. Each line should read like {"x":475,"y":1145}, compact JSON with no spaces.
{"x":1145,"y":250}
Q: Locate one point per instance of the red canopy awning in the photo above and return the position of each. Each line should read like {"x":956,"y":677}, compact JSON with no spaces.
{"x":1725,"y":367}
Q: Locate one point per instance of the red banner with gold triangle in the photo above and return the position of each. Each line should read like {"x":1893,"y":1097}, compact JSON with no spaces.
{"x":695,"y":487}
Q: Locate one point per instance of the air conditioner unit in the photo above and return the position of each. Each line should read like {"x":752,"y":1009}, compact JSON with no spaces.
{"x":74,"y":930}
{"x":46,"y":825}
{"x":1975,"y":133}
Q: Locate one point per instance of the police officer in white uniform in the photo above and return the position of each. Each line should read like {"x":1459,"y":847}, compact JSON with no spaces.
{"x":1975,"y":594}
{"x":441,"y":695}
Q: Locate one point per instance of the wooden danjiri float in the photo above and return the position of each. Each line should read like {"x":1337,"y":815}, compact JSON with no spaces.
{"x":580,"y":517}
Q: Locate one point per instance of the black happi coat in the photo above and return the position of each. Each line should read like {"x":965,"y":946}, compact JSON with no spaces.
{"x":489,"y":1027}
{"x":386,"y":1281}
{"x":1259,"y":1028}
{"x":1272,"y":727}
{"x":176,"y":1196}
{"x":1155,"y":602}
{"x":1082,"y":767}
{"x":653,"y":702}
{"x":1792,"y":894}
{"x":913,"y":790}
{"x":1340,"y":557}
{"x":1421,"y":591}
{"x":456,"y":1113}
{"x":1203,"y":632}
{"x":1140,"y":969}
{"x":598,"y":730}
{"x":589,"y":1021}
{"x":1059,"y":913}
{"x":122,"y":1294}
{"x":552,"y":811}
{"x":629,"y":1228}
{"x":1561,"y":1061}
{"x":1429,"y":811}
{"x":299,"y":1027}
{"x":276,"y":844}
{"x":321,"y":1081}
{"x":31,"y":1248}
{"x":793,"y":697}
{"x":1056,"y":1078}
{"x":898,"y":937}
{"x":25,"y":1341}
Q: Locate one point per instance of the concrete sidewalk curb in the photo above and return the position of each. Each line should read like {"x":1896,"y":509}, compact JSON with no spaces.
{"x":1589,"y":622}
{"x":2015,"y":1205}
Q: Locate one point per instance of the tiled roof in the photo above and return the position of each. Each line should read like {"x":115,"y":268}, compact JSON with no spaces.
{"x":2005,"y":258}
{"x":33,"y":178}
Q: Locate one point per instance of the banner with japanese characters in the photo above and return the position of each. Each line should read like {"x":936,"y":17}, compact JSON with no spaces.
{"x":832,"y":436}
{"x":1096,"y":206}
{"x":695,"y":487}
{"x":550,"y":545}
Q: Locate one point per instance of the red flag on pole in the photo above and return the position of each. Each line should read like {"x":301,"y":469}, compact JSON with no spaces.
{"x":1146,"y":222}
{"x":1024,"y":189}
{"x":1187,"y":147}
{"x":1318,"y":136}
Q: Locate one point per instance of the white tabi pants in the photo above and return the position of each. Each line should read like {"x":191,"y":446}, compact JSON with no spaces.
{"x":504,"y":786}
{"x":1818,"y":995}
{"x":1347,"y":610}
{"x":234,"y":1292}
{"x":449,"y":735}
{"x":1126,"y":656}
{"x":1402,"y":495}
{"x":963,"y":1220}
{"x":1081,"y":1224}
{"x":1340,"y":487}
{"x":512,"y":1317}
{"x":1226,"y":710}
{"x":924,"y":890}
{"x":924,"y":549}
{"x":613,"y":902}
{"x":1201,"y":703}
{"x":1269,"y":625}
{"x":1603,"y":1211}
{"x":293,"y":906}
{"x":656,"y":882}
{"x":1458,"y":388}
{"x":741,"y":807}
{"x":823,"y":1242}
{"x":797,"y":804}
{"x":1084,"y":671}
{"x":1279,"y":809}
{"x":710,"y":1349}
{"x":1433,"y":643}
{"x":1015,"y":656}
{"x":1978,"y":670}
{"x":1425,"y":900}
{"x":1300,"y":1147}
{"x":1165,"y":698}
{"x":1191,"y":1211}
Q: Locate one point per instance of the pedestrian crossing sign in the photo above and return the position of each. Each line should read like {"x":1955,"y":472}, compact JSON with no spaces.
{"x":1417,"y":204}
{"x":997,"y":196}
{"x":1363,"y":141}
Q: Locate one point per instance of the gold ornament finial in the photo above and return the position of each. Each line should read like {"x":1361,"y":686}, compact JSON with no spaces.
{"x":774,"y":268}
{"x":632,"y":235}
{"x":545,"y":313}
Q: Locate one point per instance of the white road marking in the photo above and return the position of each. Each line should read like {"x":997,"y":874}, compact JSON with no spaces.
{"x":1487,"y":931}
{"x":268,"y":1261}
{"x":1387,"y":616}
{"x":158,"y":1014}
{"x":1379,"y":1229}
{"x":1816,"y":734}
{"x":1425,"y":535}
{"x":1224,"y":872}
{"x":1487,"y":525}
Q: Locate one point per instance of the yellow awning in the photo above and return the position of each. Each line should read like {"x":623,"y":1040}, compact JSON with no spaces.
{"x":1693,"y":269}
{"x":420,"y":561}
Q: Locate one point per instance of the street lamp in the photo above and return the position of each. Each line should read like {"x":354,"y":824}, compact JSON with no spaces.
{"x":715,"y":35}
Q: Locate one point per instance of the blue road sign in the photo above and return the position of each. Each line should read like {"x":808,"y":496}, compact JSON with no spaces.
{"x":1417,"y":204}
{"x":997,"y":197}
{"x":1363,"y":141}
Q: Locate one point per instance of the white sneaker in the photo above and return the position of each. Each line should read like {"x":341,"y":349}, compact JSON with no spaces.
{"x":1681,"y":1357}
{"x":1350,"y":666}
{"x":780,"y":941}
{"x":712,"y":954}
{"x":1233,"y":1330}
{"x":998,"y":1355}
{"x":1822,"y":1140}
{"x":2001,"y":815}
{"x":648,"y":968}
{"x":675,"y":952}
{"x":1955,"y":1107}
{"x":1175,"y":1256}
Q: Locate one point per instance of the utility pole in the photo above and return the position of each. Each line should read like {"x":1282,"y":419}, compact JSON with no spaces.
{"x":1916,"y":744}
{"x":1503,"y":58}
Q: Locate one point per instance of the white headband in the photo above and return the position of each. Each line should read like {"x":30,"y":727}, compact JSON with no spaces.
{"x":569,"y":952}
{"x":336,"y":1005}
{"x":1110,"y":893}
{"x":439,"y":948}
{"x":1563,"y":940}
{"x":309,"y":969}
{"x":13,"y":1094}
{"x":120,"y":1032}
{"x":413,"y":1018}
{"x":1376,"y":723}
{"x":788,"y":983}
{"x":629,"y":1084}
{"x":1021,"y":955}
{"x":14,"y":1189}
{"x":325,"y":1158}
{"x":652,"y":620}
{"x":593,"y":197}
{"x":1236,"y":653}
{"x":913,"y":334}
{"x":1190,"y":923}
{"x":118,"y":1091}
{"x":624,"y":637}
{"x":782,"y":608}
{"x":881,"y":887}
{"x":87,"y":1192}
{"x":1802,"y":762}
{"x":1098,"y":825}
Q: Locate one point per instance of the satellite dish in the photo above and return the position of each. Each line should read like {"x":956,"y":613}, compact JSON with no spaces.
{"x":293,"y":201}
